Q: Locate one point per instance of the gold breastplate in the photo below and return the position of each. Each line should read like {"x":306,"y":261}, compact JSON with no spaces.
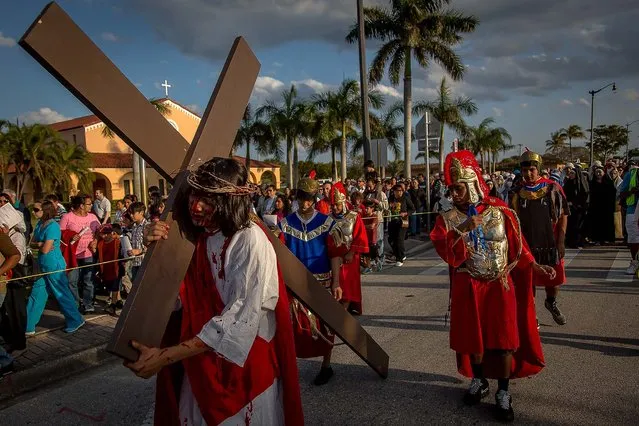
{"x":490,"y":259}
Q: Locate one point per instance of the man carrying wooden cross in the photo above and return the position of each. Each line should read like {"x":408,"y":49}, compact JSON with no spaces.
{"x":232,"y":359}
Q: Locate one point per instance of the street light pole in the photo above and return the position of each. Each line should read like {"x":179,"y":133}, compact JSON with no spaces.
{"x":363,"y":82}
{"x":628,"y":136}
{"x":592,"y":118}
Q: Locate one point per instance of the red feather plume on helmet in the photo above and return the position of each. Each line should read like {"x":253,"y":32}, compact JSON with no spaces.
{"x":338,"y":193}
{"x":467,"y":161}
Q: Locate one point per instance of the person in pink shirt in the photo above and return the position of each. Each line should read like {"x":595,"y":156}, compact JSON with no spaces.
{"x":85,"y":224}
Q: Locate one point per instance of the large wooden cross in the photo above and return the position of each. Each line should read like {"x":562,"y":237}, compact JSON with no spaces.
{"x":61,"y":47}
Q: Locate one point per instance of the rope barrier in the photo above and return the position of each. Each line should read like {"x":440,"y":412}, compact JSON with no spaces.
{"x":69,"y":269}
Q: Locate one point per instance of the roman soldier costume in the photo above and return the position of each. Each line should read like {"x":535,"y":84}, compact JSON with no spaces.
{"x":348,"y":235}
{"x":491,"y":313}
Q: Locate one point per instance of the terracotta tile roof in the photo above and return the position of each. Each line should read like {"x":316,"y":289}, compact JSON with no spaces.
{"x":111,"y":160}
{"x":74,"y":123}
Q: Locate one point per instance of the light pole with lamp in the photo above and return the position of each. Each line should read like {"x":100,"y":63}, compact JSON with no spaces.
{"x":628,"y":136}
{"x":592,"y":116}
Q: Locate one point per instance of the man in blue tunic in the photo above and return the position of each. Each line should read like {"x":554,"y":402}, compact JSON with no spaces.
{"x":306,"y":233}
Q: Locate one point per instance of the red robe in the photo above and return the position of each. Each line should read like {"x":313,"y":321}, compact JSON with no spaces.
{"x":222,"y":388}
{"x":486,"y":315}
{"x":350,"y":279}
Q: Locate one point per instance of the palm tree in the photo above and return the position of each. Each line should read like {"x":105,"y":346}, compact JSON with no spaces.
{"x":5,"y":153}
{"x":420,"y":29}
{"x":448,"y":111}
{"x":256,"y":133}
{"x":485,"y":139}
{"x":323,"y":137}
{"x":159,"y":105}
{"x":384,"y":126}
{"x":287,"y":120}
{"x":71,"y":159}
{"x":556,"y":143}
{"x":344,"y":110}
{"x":573,"y":131}
{"x":32,"y":152}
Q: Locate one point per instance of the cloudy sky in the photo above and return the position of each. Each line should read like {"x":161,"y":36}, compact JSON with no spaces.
{"x":530,"y":64}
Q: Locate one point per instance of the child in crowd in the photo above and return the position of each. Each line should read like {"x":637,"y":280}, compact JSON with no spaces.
{"x":357,"y":198}
{"x":371,"y":223}
{"x":138,"y":248}
{"x":108,"y":250}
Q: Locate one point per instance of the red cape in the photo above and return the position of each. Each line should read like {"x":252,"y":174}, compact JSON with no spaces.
{"x":221,"y":387}
{"x":528,"y":359}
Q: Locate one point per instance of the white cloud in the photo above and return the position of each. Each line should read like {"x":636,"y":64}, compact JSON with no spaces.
{"x":110,"y":37}
{"x":583,"y":101}
{"x":266,"y":85}
{"x":524,"y":105}
{"x":138,"y":85}
{"x":317,"y":86}
{"x":566,"y":102}
{"x":498,"y":112}
{"x":388,"y":91}
{"x":631,"y":94}
{"x":43,"y":116}
{"x":6,"y":41}
{"x":277,"y":64}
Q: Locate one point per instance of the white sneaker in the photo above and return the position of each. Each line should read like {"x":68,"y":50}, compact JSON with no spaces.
{"x":632,"y":268}
{"x":399,"y":263}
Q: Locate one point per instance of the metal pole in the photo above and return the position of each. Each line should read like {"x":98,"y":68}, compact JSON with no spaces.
{"x":363,"y":82}
{"x":136,"y":173}
{"x":627,"y":140}
{"x":427,"y":160}
{"x":592,"y":130}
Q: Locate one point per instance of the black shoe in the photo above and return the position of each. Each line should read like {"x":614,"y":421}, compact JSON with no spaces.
{"x":110,"y":309}
{"x":6,"y":370}
{"x":555,"y":312}
{"x":476,"y":392}
{"x":119,"y":304}
{"x":504,"y":407}
{"x":323,"y":376}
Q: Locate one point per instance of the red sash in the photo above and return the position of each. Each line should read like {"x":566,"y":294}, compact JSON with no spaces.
{"x":222,"y":388}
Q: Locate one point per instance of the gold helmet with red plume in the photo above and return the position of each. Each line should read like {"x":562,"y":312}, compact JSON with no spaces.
{"x":338,"y":195}
{"x":462,"y":167}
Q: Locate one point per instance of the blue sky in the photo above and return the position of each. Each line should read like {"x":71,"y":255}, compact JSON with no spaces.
{"x":529,"y":67}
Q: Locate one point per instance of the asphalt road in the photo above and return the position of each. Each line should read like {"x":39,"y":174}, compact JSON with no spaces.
{"x":592,"y":373}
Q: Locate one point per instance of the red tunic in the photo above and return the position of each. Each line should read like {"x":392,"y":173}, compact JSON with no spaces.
{"x":350,"y":279}
{"x":486,"y":315}
{"x":222,"y":388}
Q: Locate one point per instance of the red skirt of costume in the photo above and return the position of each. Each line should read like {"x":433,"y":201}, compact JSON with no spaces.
{"x":220,"y":387}
{"x":313,"y":338}
{"x":486,"y":316}
{"x":350,"y":278}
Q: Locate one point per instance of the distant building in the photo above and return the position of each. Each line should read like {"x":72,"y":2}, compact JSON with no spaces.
{"x":113,"y":159}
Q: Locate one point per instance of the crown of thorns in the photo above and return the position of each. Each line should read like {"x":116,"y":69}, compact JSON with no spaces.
{"x":198,"y":177}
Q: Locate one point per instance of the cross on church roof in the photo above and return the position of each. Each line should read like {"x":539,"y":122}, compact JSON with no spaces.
{"x":166,"y":86}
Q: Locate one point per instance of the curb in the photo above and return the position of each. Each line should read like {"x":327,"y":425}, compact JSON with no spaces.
{"x":38,"y":376}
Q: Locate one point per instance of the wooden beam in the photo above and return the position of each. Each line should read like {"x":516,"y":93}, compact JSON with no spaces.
{"x":68,"y":54}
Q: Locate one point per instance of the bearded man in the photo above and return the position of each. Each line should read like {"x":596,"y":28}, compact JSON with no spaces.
{"x":493,"y":326}
{"x":543,"y":211}
{"x":228,"y":354}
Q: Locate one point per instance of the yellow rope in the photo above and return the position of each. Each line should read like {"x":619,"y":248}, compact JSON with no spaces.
{"x":69,"y":269}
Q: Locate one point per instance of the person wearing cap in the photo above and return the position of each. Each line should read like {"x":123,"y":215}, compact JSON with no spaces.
{"x":306,"y":233}
{"x":628,"y":193}
{"x":543,"y":211}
